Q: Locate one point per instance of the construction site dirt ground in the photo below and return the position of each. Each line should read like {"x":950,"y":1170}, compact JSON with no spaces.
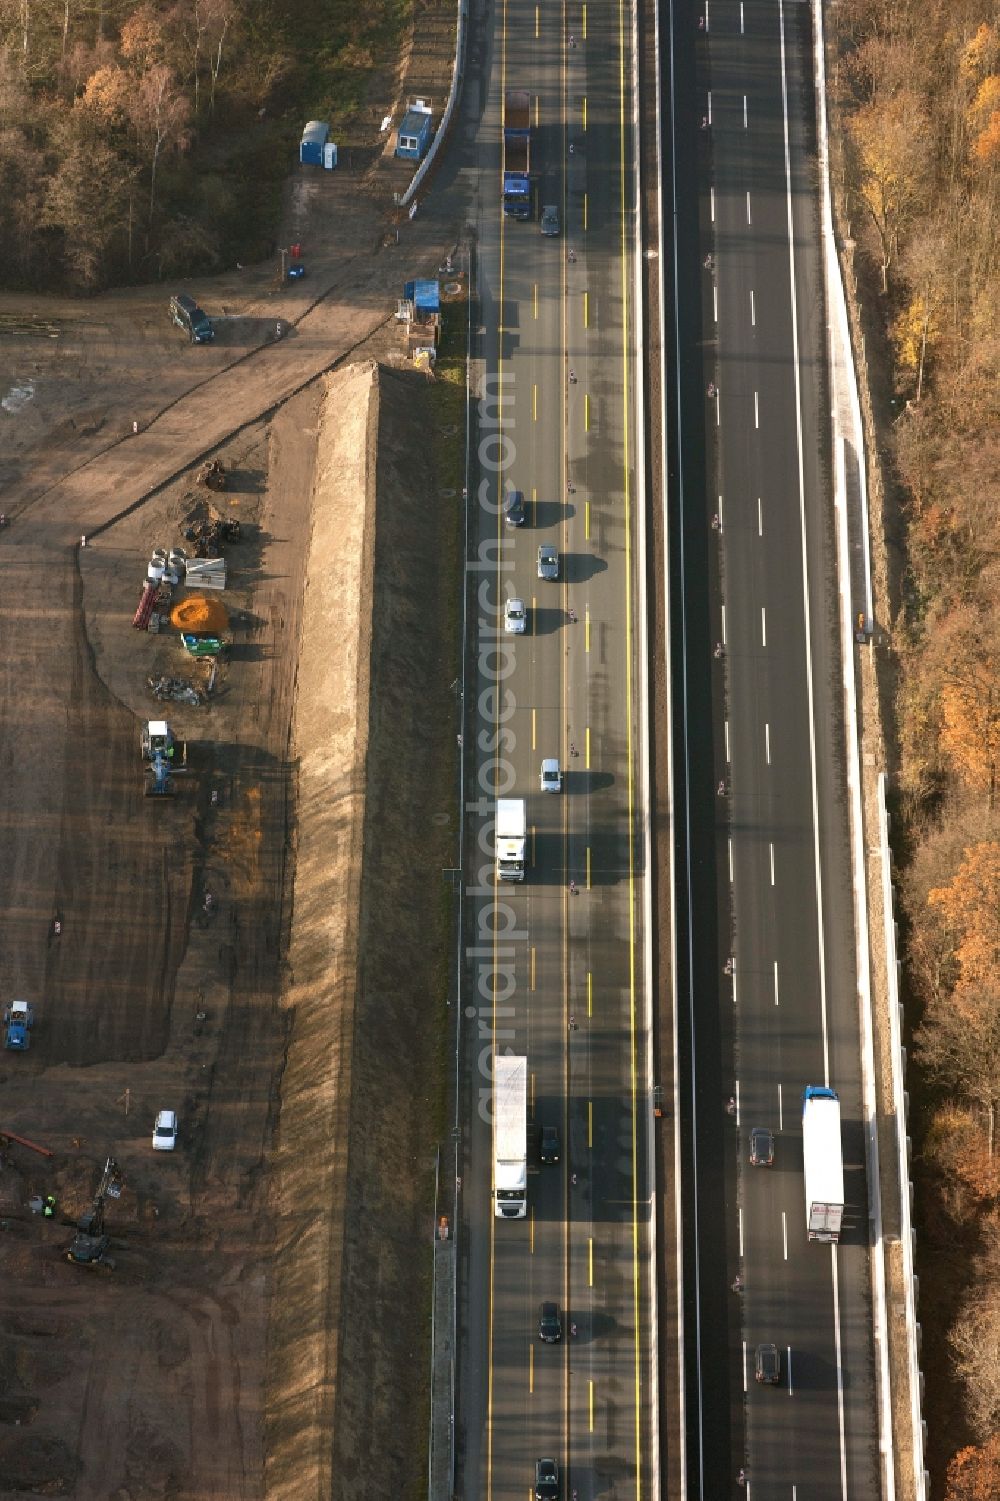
{"x":185,"y":1372}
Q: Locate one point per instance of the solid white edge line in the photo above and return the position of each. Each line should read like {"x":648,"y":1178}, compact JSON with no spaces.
{"x":820,"y":927}
{"x":678,"y":1207}
{"x":682,"y":1372}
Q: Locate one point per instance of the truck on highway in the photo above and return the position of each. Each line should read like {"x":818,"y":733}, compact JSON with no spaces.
{"x":517,"y":197}
{"x":510,"y":826}
{"x":823,"y":1159}
{"x":510,"y":1136}
{"x":19,"y":1018}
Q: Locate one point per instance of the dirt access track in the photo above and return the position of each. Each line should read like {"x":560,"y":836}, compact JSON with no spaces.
{"x":210,"y":1362}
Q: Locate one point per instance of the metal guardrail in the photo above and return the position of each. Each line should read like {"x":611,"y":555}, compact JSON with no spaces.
{"x":851,"y":433}
{"x":441,"y":134}
{"x":848,"y":436}
{"x":907,"y":1234}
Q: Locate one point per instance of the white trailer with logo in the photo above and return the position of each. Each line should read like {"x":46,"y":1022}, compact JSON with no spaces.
{"x":510,"y":1137}
{"x":823,"y":1159}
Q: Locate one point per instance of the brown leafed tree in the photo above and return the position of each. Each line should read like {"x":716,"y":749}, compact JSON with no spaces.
{"x":144,"y":38}
{"x":966,"y":645}
{"x":87,"y":199}
{"x":22,"y":182}
{"x":891,"y":139}
{"x":974,"y":1473}
{"x":970,"y":905}
{"x":958,"y":1045}
{"x":974,"y":1340}
{"x":957,"y":1147}
{"x":109,"y":93}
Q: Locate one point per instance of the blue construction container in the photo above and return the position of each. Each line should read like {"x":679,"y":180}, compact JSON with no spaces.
{"x":313,"y":140}
{"x":425,"y":296}
{"x":414,"y":135}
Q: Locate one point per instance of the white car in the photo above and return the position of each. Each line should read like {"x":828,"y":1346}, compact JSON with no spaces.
{"x":515,"y":617}
{"x":551,"y":777}
{"x":165,"y":1131}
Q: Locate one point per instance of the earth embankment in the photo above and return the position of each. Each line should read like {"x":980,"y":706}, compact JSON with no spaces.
{"x":362,"y":1091}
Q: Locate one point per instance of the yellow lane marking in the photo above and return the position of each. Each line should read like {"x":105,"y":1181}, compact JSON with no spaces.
{"x":624,"y":85}
{"x":587,"y":742}
{"x":586,"y":309}
{"x":536,"y":22}
{"x":584,"y":23}
{"x":537,"y":97}
{"x":586,"y":520}
{"x":590,"y":1261}
{"x":534,"y":403}
{"x":586,"y":412}
{"x":591,"y":1385}
{"x":586,"y":633}
{"x":585,"y":202}
{"x":590,"y":1124}
{"x":584,"y":111}
{"x":590,"y":994}
{"x":534,"y":300}
{"x":588,"y":867}
{"x":496,"y":760}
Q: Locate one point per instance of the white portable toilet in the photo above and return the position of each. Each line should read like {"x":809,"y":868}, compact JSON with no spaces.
{"x":330,"y":155}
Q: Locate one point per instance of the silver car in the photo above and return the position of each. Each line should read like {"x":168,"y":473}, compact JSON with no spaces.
{"x":548,"y":562}
{"x":515,"y":617}
{"x":551,"y":777}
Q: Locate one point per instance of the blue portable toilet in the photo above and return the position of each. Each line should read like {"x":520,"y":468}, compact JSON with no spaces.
{"x":313,"y":140}
{"x":413,"y":136}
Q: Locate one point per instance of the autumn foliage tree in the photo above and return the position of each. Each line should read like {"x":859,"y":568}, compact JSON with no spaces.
{"x":191,"y":112}
{"x":974,"y":1473}
{"x":918,"y":97}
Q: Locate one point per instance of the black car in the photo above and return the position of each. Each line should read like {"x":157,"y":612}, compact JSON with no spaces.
{"x":186,"y":313}
{"x":767,"y":1365}
{"x":549,"y":1324}
{"x":550,"y":1144}
{"x":546,"y":1480}
{"x":761,"y":1147}
{"x":514,"y":512}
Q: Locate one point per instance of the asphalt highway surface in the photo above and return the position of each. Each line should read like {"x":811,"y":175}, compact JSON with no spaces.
{"x":768,"y":987}
{"x":553,"y":966}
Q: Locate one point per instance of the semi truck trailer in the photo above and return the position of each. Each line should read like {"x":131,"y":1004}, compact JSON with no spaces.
{"x":510,"y":833}
{"x":823,"y":1159}
{"x":510,"y":1136}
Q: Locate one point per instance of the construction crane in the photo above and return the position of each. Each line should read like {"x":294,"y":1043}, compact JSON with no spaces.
{"x":164,"y":756}
{"x":90,"y":1243}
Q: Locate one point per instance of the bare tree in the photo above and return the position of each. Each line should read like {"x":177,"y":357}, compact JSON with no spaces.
{"x":975,"y":1348}
{"x":160,"y":113}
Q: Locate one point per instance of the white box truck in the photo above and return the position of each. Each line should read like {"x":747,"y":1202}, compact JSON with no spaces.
{"x":823,"y":1159}
{"x":510,"y":838}
{"x":510,"y":1137}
